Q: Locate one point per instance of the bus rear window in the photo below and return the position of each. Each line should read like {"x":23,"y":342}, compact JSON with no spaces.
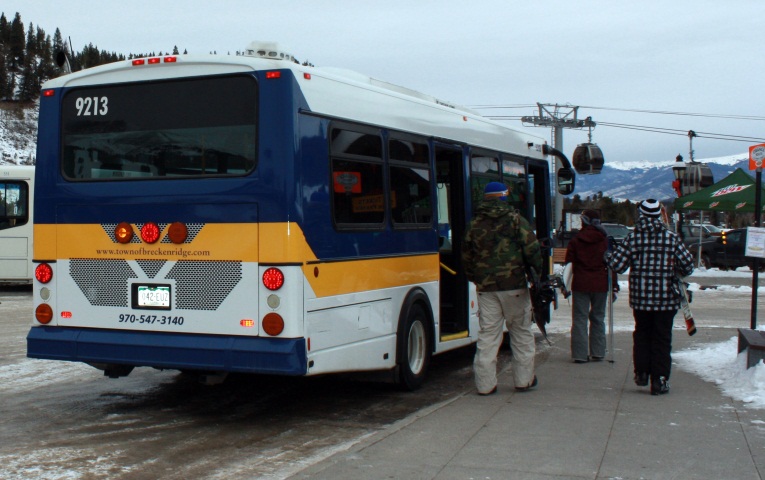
{"x":168,"y":129}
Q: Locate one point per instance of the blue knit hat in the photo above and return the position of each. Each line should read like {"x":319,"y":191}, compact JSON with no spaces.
{"x":495,"y":190}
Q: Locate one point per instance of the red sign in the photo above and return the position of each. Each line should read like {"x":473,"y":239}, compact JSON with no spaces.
{"x":756,"y":155}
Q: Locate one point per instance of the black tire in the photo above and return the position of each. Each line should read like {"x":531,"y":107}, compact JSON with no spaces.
{"x":413,"y":348}
{"x":706,"y":262}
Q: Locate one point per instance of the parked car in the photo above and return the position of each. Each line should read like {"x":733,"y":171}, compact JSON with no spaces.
{"x":725,"y":251}
{"x":691,"y":232}
{"x":616,"y":230}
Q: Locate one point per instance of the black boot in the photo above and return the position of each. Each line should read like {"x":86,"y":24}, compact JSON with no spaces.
{"x":641,"y":379}
{"x":659,"y":386}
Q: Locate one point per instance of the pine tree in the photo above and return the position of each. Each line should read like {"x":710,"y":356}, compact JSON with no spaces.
{"x":5,"y":31}
{"x":29,"y":85}
{"x":31,"y":44}
{"x":16,"y":44}
{"x":4,"y":90}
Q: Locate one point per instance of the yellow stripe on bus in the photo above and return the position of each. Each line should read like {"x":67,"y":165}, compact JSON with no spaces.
{"x":338,"y":278}
{"x":279,"y":243}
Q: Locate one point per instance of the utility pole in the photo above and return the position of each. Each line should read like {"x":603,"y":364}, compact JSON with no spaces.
{"x":558,"y":117}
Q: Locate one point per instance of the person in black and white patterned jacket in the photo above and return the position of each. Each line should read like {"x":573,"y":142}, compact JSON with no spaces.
{"x":655,"y":257}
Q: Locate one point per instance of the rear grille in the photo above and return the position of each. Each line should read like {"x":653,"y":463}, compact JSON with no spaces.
{"x":199,"y":285}
{"x":103,"y":282}
{"x":150,"y":267}
{"x":204,"y":285}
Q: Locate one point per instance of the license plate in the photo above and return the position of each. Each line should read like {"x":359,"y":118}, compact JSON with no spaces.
{"x":153,"y":296}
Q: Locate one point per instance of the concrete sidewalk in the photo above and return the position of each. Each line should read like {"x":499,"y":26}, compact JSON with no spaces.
{"x":583,"y":421}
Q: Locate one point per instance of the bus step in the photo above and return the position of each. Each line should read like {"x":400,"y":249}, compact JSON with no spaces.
{"x":454,"y":336}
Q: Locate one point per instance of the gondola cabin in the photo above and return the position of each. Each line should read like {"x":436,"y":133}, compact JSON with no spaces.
{"x":587,"y":159}
{"x":697,"y":176}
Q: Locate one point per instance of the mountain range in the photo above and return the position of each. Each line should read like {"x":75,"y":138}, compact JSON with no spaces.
{"x":619,"y":180}
{"x":637,"y":181}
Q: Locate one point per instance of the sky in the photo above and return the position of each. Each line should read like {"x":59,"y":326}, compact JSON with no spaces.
{"x":611,"y":59}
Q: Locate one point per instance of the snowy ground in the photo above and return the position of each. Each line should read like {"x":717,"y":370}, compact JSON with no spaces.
{"x":719,"y":363}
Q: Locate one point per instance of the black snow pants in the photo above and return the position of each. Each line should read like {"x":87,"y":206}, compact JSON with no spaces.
{"x":652,"y":342}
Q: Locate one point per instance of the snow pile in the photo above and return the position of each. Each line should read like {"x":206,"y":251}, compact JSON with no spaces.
{"x":719,"y":363}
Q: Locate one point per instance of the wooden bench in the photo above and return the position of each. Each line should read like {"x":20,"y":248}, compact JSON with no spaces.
{"x":559,"y":255}
{"x":754,"y":342}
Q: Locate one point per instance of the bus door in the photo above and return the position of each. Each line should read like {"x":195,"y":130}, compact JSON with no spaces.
{"x":451,"y":229}
{"x":539,"y":211}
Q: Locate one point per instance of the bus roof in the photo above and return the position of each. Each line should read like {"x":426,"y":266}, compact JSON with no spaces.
{"x":364,"y":98}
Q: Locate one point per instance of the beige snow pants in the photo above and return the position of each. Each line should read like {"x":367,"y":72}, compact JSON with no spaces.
{"x":514,"y":307}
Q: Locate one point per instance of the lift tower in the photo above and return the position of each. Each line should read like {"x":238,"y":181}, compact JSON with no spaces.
{"x":558,"y":117}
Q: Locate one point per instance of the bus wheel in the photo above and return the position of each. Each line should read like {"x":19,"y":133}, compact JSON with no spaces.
{"x":413,"y":351}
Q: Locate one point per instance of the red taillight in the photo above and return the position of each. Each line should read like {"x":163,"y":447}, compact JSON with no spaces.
{"x":138,"y":61}
{"x":177,"y":232}
{"x":273,"y":324}
{"x":273,"y":74}
{"x":307,"y":76}
{"x":123,"y":232}
{"x":273,"y":278}
{"x":150,"y":232}
{"x":154,"y":60}
{"x":43,"y":273}
{"x":48,"y":93}
{"x":43,"y":313}
{"x":171,"y":59}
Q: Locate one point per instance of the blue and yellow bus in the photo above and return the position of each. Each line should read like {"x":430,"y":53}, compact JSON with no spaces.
{"x":249,"y":214}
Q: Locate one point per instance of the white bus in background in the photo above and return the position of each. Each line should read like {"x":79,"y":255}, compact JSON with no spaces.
{"x":16,"y":199}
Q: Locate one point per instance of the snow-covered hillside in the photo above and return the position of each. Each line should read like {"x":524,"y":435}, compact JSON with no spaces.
{"x":18,"y":134}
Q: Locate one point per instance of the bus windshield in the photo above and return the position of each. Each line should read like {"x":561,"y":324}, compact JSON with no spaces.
{"x":181,"y":128}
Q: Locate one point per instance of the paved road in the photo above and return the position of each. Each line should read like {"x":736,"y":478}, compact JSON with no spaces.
{"x":64,"y":420}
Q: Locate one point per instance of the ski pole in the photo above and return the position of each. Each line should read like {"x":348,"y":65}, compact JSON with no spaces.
{"x":610,"y":294}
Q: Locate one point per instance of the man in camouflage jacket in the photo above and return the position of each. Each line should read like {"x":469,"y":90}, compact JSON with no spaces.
{"x":499,"y":246}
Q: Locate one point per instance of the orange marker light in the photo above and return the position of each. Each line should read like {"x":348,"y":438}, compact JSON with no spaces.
{"x":43,"y":313}
{"x":123,"y":232}
{"x":273,"y":324}
{"x":177,"y":232}
{"x":247,"y":322}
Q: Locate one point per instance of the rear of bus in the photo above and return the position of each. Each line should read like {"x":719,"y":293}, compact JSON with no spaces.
{"x":161,"y":235}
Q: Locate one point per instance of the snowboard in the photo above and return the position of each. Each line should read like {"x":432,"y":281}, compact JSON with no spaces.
{"x":685,"y":306}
